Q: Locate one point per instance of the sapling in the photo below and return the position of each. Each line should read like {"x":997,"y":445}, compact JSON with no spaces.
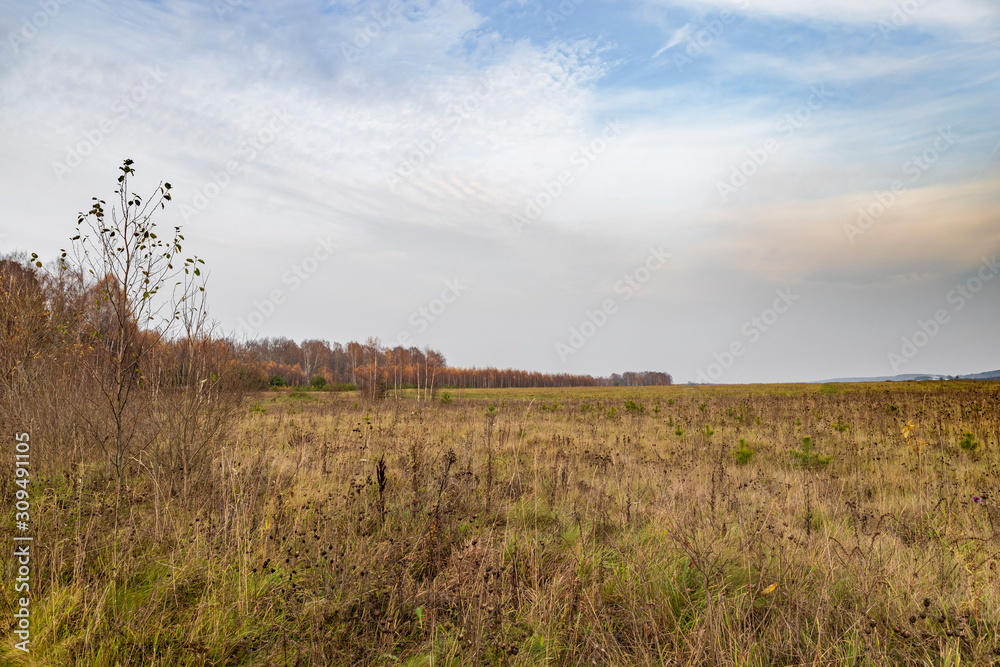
{"x":807,"y":458}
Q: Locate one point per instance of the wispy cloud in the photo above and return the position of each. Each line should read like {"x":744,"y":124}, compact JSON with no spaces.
{"x":680,"y":36}
{"x":415,"y":135}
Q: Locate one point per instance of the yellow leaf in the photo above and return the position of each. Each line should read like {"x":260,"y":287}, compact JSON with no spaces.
{"x":769,"y":589}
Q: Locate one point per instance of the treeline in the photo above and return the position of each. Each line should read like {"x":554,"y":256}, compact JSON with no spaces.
{"x":110,"y":351}
{"x":46,"y":312}
{"x":387,"y":371}
{"x":97,"y":326}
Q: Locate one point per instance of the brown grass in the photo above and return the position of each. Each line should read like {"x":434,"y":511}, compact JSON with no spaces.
{"x":538,"y":527}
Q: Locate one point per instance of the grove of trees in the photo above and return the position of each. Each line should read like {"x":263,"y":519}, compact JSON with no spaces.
{"x":116,"y":334}
{"x":386,"y":371}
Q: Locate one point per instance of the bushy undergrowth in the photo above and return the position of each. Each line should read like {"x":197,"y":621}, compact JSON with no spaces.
{"x":333,"y":532}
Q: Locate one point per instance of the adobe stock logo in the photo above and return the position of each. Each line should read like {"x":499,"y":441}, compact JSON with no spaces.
{"x":915,"y":168}
{"x":901,"y":15}
{"x":248,"y":149}
{"x":120,"y":109}
{"x":958,"y":297}
{"x":422,"y":150}
{"x":566,"y":9}
{"x":31,"y":26}
{"x":424,"y":316}
{"x":786,"y":128}
{"x":295,"y":276}
{"x":701,"y":40}
{"x":752,"y":329}
{"x":594,"y":320}
{"x":372,"y":30}
{"x":550,"y":191}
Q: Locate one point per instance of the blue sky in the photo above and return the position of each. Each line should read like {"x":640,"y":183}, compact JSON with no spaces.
{"x":338,"y":164}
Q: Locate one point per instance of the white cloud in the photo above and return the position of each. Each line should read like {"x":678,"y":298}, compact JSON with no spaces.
{"x":973,"y":16}
{"x":680,"y":35}
{"x":399,"y":100}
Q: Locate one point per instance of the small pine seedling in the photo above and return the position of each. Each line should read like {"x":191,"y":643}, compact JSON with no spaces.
{"x":807,"y":458}
{"x":968,"y":443}
{"x":744,"y":454}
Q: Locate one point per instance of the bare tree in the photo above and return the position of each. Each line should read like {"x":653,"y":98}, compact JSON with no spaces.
{"x":129,"y":263}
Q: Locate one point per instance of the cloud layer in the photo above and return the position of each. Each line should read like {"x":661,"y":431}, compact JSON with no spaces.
{"x":536,"y":153}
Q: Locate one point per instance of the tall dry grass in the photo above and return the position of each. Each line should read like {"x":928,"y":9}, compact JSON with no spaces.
{"x":597,"y":526}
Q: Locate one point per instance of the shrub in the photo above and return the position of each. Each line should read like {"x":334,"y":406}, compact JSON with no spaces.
{"x":744,"y":454}
{"x":635,"y":408}
{"x":278,"y":381}
{"x":807,"y":458}
{"x":318,"y":382}
{"x":968,"y":443}
{"x":445,"y":398}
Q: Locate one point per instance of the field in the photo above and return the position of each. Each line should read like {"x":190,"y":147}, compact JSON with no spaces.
{"x":730,"y":525}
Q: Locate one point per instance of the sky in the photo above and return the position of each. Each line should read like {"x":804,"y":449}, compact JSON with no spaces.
{"x":730,"y":191}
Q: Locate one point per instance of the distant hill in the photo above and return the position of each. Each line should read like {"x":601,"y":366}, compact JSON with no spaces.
{"x":988,"y":375}
{"x":916,"y":377}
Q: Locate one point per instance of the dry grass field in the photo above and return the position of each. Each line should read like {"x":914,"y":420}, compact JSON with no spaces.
{"x":731,"y":525}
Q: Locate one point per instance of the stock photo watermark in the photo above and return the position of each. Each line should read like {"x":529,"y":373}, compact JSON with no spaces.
{"x":423,"y":149}
{"x":550,"y":191}
{"x":247,"y":151}
{"x":381,"y":19}
{"x":751,"y":332}
{"x":424,"y":316}
{"x":22,"y":541}
{"x":957,"y":298}
{"x":915,"y":168}
{"x":223,"y":7}
{"x":595,"y":320}
{"x":902,"y":14}
{"x":786,"y":128}
{"x":294,"y":277}
{"x":698,"y":41}
{"x":120,"y":110}
{"x":565,"y":10}
{"x":32,"y":25}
